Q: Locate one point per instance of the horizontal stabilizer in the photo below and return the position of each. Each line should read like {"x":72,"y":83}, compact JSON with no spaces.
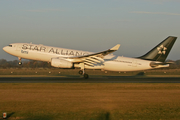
{"x":156,"y":64}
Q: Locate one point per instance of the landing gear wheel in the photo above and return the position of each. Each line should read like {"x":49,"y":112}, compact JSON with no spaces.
{"x":81,"y":72}
{"x":86,"y":76}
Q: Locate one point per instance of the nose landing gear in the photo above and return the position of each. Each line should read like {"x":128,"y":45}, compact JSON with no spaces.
{"x":20,"y":63}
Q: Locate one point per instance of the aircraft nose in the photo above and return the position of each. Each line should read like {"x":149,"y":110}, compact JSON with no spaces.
{"x":5,"y":48}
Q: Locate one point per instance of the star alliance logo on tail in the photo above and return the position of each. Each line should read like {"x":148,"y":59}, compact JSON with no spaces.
{"x":161,"y":50}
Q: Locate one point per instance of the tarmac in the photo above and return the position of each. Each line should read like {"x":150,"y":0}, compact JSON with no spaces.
{"x":92,"y":79}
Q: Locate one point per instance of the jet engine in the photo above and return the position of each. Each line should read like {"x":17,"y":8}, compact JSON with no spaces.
{"x":61,"y":63}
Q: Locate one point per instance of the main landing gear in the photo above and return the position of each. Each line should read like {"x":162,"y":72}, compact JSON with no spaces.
{"x":20,"y":63}
{"x":82,"y":72}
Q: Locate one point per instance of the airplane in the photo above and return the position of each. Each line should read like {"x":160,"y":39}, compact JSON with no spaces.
{"x":68,"y":58}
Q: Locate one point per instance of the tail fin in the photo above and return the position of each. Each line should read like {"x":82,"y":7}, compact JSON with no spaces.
{"x":161,"y":51}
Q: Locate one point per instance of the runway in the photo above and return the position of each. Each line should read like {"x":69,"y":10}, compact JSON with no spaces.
{"x":92,"y":79}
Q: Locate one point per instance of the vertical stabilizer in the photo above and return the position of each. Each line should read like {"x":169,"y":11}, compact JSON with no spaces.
{"x":161,"y":51}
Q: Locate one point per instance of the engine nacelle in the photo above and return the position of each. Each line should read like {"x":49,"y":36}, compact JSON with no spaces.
{"x":61,"y":63}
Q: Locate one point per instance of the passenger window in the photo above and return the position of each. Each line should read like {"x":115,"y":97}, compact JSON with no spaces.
{"x":10,"y":45}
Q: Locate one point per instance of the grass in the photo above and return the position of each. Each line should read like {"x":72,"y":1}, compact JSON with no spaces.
{"x":90,"y":101}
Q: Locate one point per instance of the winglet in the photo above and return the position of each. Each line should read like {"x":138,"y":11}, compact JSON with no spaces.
{"x":115,"y":47}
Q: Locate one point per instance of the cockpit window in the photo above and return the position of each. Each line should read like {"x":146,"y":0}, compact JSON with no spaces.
{"x":10,"y":45}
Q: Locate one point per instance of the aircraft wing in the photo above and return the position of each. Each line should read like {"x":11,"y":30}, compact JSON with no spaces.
{"x":95,"y":58}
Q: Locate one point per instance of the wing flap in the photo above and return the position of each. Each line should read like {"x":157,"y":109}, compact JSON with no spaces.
{"x":95,"y":58}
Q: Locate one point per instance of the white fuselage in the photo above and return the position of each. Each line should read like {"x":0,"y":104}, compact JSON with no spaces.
{"x":40,"y":52}
{"x":46,"y":53}
{"x":127,"y":64}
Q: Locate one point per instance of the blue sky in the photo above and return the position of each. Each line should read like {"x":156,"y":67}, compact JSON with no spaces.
{"x":93,"y":25}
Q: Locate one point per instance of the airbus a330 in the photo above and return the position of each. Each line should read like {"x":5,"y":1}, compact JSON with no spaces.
{"x":68,"y":58}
